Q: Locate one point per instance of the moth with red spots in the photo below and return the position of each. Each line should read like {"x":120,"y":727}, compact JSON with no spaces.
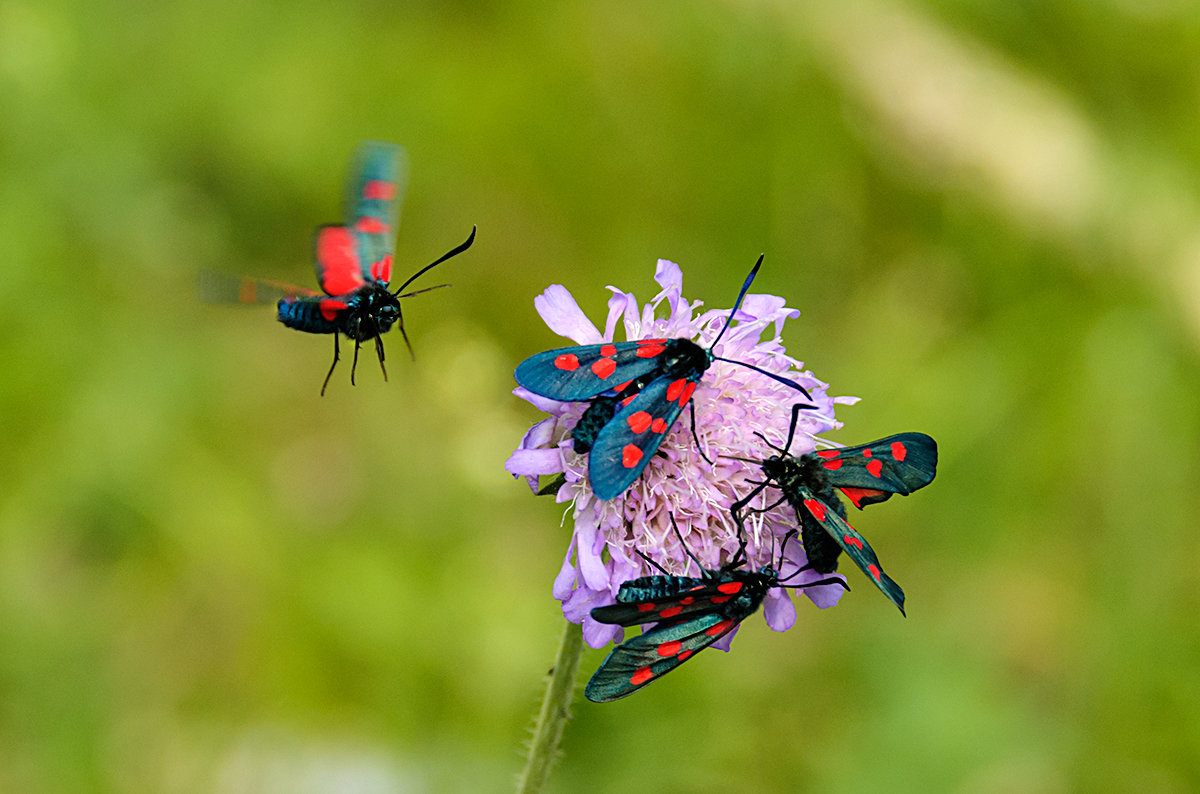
{"x":636,"y":390}
{"x":354,"y":262}
{"x":691,"y":613}
{"x":865,"y":474}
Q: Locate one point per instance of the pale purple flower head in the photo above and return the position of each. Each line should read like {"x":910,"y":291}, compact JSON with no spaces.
{"x":731,"y":403}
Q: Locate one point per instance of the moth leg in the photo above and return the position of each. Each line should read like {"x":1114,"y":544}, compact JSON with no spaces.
{"x":354,"y":366}
{"x":696,"y":438}
{"x":379,"y":352}
{"x":329,"y":374}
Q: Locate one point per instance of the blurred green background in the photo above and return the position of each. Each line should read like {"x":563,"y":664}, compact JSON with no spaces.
{"x":212,"y":580}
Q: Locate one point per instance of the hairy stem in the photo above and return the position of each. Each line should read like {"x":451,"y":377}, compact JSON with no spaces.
{"x":556,"y":708}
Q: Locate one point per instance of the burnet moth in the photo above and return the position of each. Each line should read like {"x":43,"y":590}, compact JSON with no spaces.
{"x":354,"y":262}
{"x":691,"y":614}
{"x":637,"y":389}
{"x":865,"y":474}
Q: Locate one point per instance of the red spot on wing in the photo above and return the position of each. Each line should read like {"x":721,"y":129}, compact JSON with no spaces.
{"x":639,"y":422}
{"x":827,"y":453}
{"x":371,"y":225}
{"x":647,"y":607}
{"x":608,"y":350}
{"x":899,"y":452}
{"x":379,"y":189}
{"x":567,"y":361}
{"x":641,"y":676}
{"x":627,"y":400}
{"x":856,"y":495}
{"x":833,"y":465}
{"x":684,"y":655}
{"x":630,"y":456}
{"x":721,"y":599}
{"x":603,"y":367}
{"x":875,"y":467}
{"x":331,"y":307}
{"x":670,"y":648}
{"x":670,"y":612}
{"x":853,"y":541}
{"x":675,"y":389}
{"x":623,"y":385}
{"x":718,"y":629}
{"x":687,"y":600}
{"x":874,"y":571}
{"x":867,"y":453}
{"x":338,"y":260}
{"x":694,"y":589}
{"x":730,"y":587}
{"x":382,"y":270}
{"x":659,"y":426}
{"x":649,"y":348}
{"x":816,"y":508}
{"x":687,"y":392}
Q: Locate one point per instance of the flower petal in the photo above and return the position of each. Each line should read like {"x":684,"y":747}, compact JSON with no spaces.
{"x":541,"y":403}
{"x":779,"y":610}
{"x":597,"y":634}
{"x":564,"y":583}
{"x":564,"y":317}
{"x":534,"y":461}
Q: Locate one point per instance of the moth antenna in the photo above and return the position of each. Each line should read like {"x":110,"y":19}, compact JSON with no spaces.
{"x":738,"y":303}
{"x":453,"y":252}
{"x":796,"y":409}
{"x":696,"y":438}
{"x":419,"y":291}
{"x":771,"y":375}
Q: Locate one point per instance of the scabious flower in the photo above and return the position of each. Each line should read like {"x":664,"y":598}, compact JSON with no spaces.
{"x":731,"y":404}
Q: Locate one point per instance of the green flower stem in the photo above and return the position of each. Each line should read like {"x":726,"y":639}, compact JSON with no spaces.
{"x":556,"y":708}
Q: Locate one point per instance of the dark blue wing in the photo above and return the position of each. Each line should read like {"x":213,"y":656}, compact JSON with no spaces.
{"x":853,"y":544}
{"x":373,"y":195}
{"x":625,"y":445}
{"x":579,"y":373}
{"x":872,"y":472}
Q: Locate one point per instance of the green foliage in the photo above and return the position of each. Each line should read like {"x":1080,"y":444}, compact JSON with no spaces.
{"x":211,"y":579}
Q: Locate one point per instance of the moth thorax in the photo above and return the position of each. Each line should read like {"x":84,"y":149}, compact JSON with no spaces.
{"x":379,"y":310}
{"x":683,"y":358}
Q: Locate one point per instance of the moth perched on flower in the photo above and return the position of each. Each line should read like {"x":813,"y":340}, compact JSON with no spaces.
{"x":697,"y":485}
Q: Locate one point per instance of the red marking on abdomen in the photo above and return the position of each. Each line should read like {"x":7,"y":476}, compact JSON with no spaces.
{"x":379,"y":189}
{"x":641,"y":676}
{"x":608,"y":350}
{"x":898,"y":450}
{"x":875,"y":467}
{"x":567,"y":361}
{"x":382,"y":270}
{"x":645,"y":607}
{"x":874,"y":571}
{"x":816,"y":508}
{"x":729,"y":587}
{"x":330,"y":308}
{"x":669,"y":648}
{"x":630,"y":456}
{"x":371,"y":225}
{"x":670,"y":612}
{"x":603,"y":367}
{"x":659,"y":426}
{"x":649,"y":348}
{"x":853,"y":541}
{"x":639,"y":422}
{"x":833,"y":465}
{"x":718,"y":629}
{"x":687,"y":393}
{"x":675,"y":389}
